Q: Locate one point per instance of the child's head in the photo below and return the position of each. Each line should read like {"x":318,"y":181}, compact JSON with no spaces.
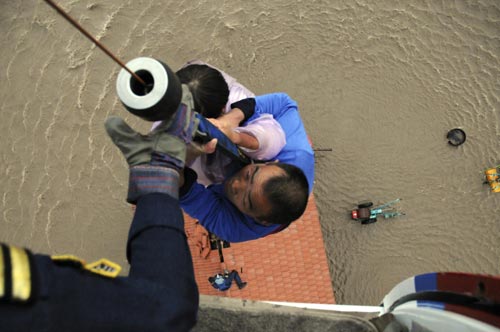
{"x":208,"y":87}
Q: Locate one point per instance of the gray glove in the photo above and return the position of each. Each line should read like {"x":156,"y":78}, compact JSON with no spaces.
{"x":155,"y":159}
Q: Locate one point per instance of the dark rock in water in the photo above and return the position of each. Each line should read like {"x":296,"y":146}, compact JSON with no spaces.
{"x":456,"y":137}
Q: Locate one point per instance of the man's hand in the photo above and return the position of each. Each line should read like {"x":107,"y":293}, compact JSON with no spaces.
{"x":155,"y":159}
{"x":194,"y":150}
{"x":165,"y":146}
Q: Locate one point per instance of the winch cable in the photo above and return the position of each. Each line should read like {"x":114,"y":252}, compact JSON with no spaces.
{"x":89,"y":36}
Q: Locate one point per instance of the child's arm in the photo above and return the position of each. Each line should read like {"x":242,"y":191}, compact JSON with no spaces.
{"x":228,"y":122}
{"x":244,"y":140}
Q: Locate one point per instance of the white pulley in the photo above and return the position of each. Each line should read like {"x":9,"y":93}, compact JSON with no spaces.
{"x":156,"y":101}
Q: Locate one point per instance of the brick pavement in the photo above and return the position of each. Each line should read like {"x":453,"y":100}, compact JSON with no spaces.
{"x":288,"y":266}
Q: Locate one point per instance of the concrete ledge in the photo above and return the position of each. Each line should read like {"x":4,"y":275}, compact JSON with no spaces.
{"x":225,"y":314}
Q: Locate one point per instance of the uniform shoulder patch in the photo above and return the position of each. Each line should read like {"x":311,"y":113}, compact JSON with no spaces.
{"x":17,"y":282}
{"x":68,"y":260}
{"x":103,"y":266}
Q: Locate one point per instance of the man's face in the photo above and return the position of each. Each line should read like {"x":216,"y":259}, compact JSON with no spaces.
{"x":245,"y":189}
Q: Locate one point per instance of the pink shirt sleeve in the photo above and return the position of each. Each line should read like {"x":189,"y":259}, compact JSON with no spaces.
{"x":270,"y":135}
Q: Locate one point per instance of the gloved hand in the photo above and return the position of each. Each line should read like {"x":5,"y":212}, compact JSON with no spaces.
{"x":155,"y":159}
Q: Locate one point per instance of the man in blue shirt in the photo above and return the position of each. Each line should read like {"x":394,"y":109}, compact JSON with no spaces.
{"x":260,"y":199}
{"x":224,"y":281}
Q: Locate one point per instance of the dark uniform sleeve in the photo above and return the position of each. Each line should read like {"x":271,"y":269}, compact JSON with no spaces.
{"x":160,"y":293}
{"x":157,"y":248}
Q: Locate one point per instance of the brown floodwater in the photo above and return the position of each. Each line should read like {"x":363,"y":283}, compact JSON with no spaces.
{"x":378,"y":82}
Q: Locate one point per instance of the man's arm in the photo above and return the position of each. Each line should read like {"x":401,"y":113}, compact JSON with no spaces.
{"x":157,"y":247}
{"x":298,"y":150}
{"x":157,"y":242}
{"x":277,"y":104}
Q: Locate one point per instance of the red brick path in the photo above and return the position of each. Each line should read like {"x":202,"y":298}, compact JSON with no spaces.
{"x":288,"y":266}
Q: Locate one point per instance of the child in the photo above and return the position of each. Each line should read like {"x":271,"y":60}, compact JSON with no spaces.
{"x":213,"y":93}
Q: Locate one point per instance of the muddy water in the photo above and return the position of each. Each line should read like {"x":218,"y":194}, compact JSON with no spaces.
{"x":378,"y":82}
